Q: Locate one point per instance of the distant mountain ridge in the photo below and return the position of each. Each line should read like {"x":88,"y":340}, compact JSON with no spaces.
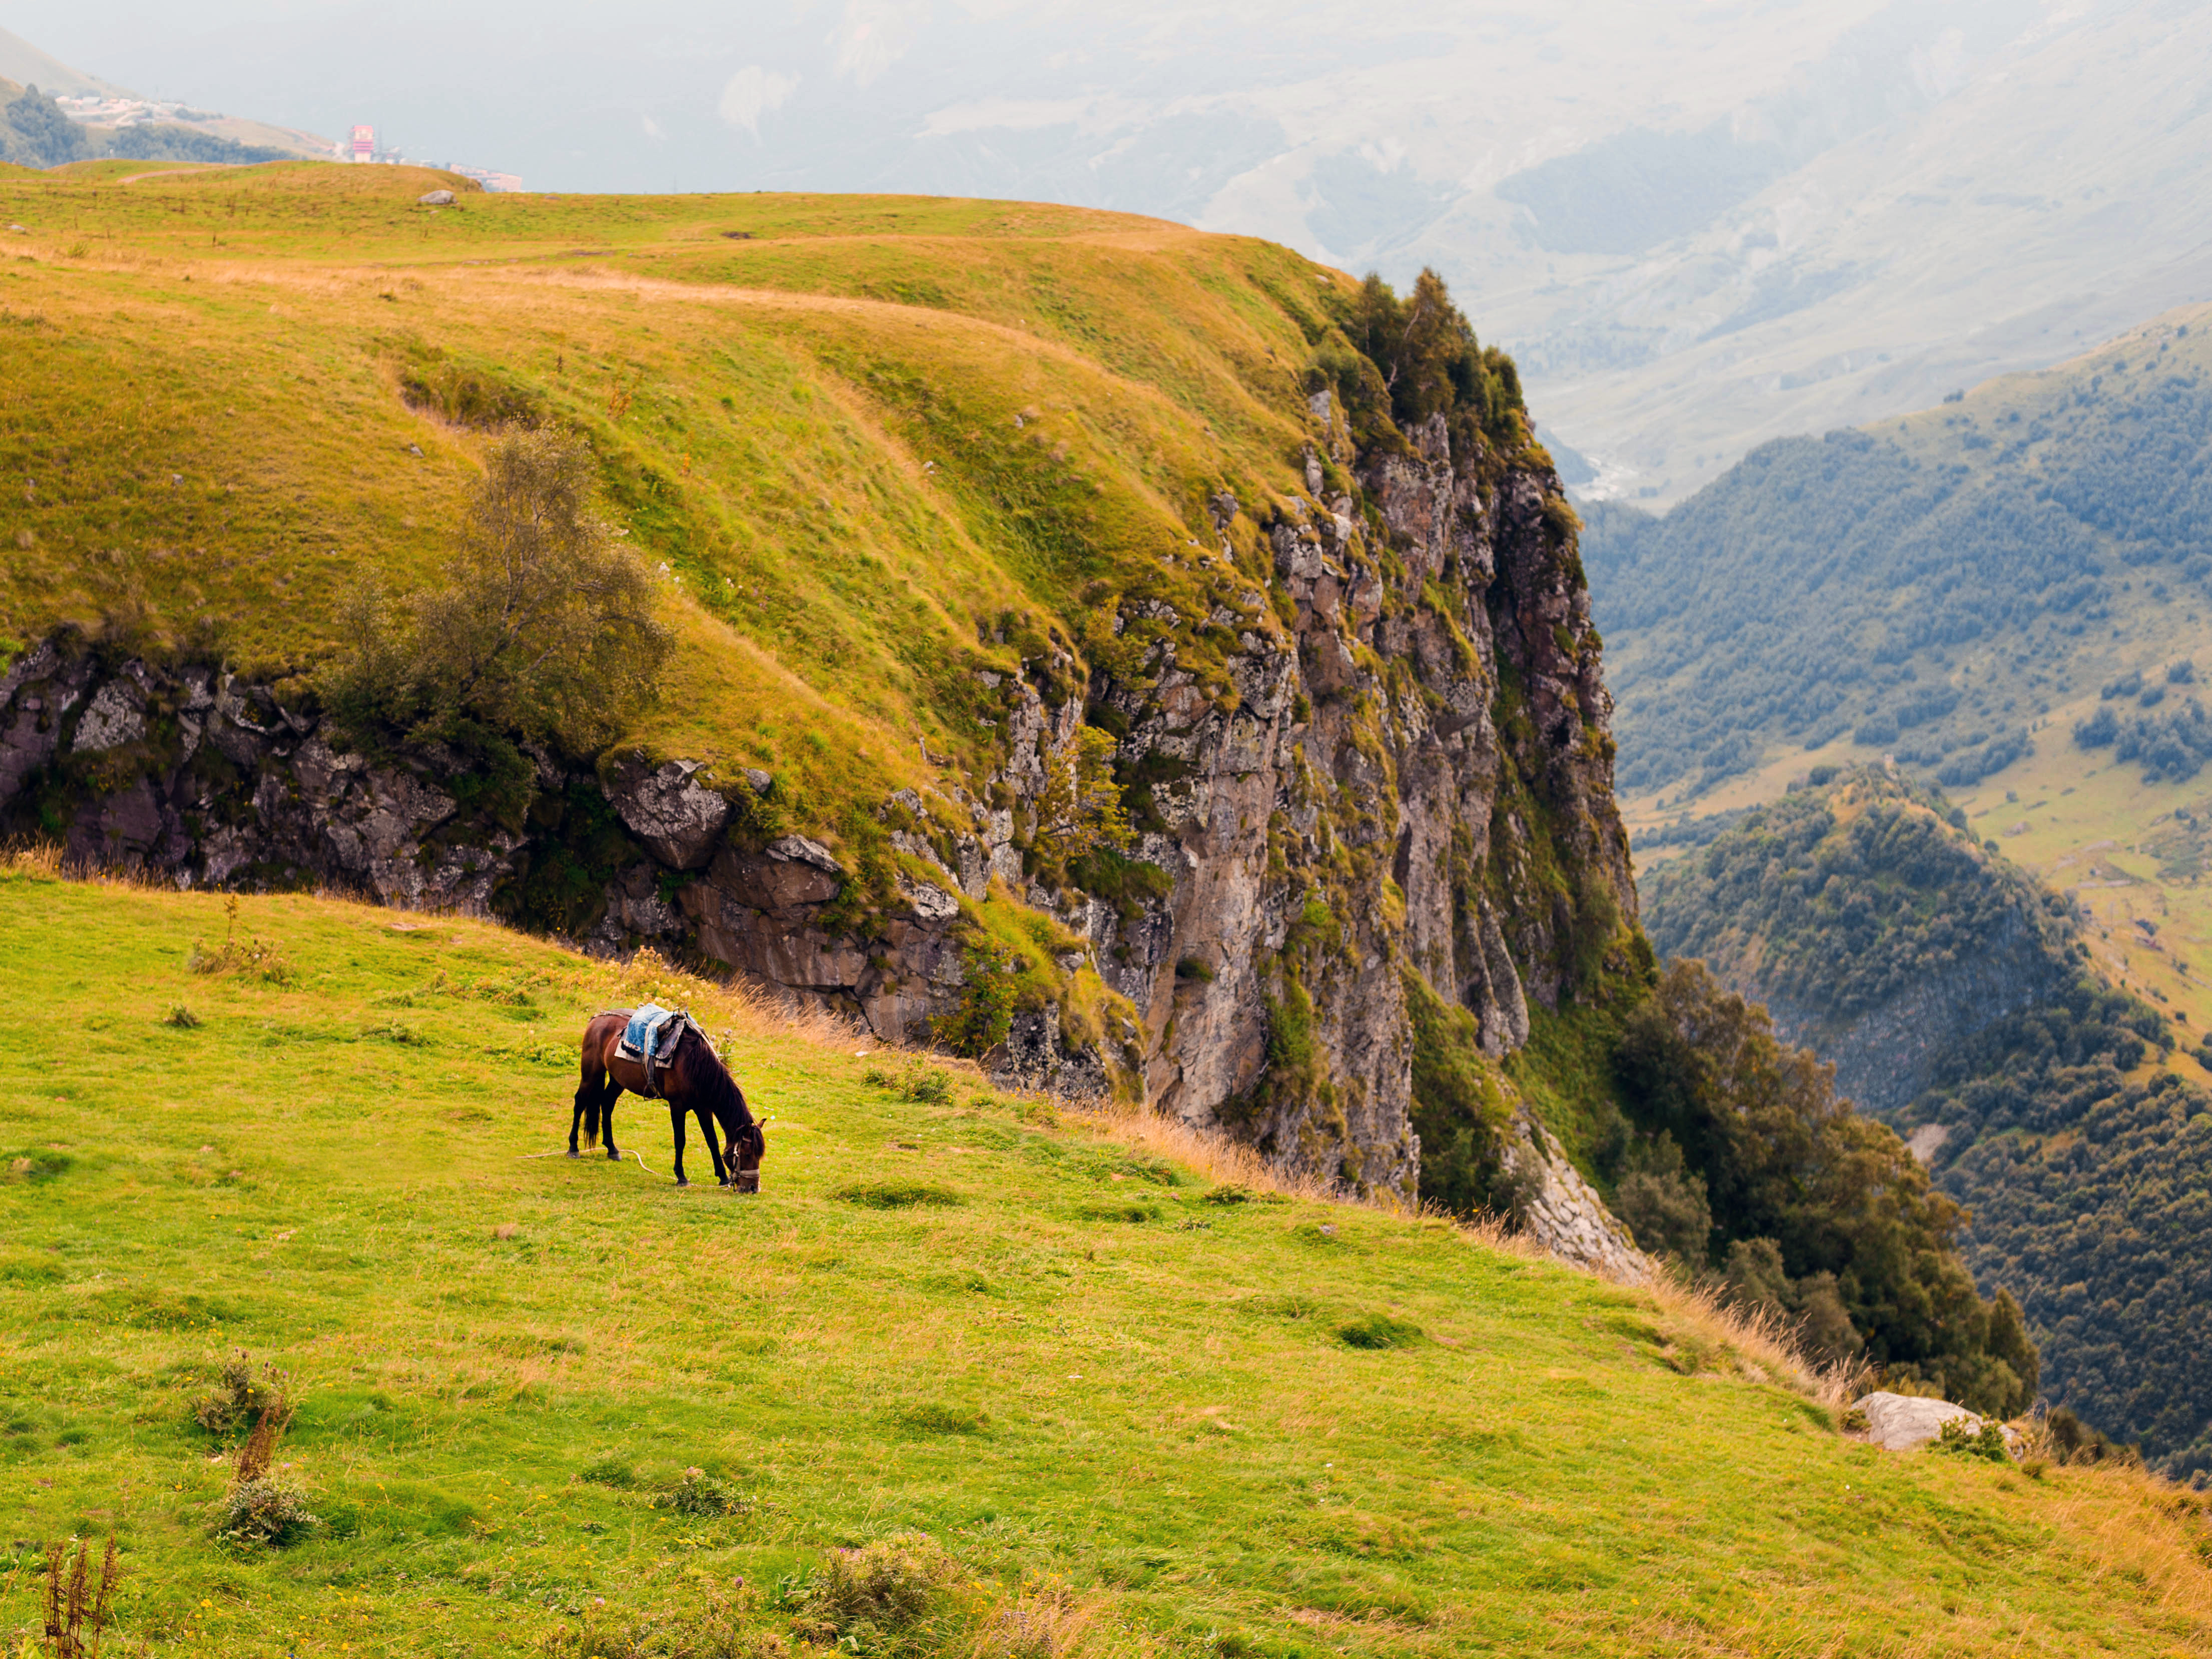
{"x":1930,"y":588}
{"x":1952,"y":991}
{"x":25,"y":64}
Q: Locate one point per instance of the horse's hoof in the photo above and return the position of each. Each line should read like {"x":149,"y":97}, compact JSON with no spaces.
{"x":683,"y":1183}
{"x":613,"y":1157}
{"x":572,"y":1152}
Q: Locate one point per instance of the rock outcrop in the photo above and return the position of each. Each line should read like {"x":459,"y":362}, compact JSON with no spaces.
{"x":1903,"y":1422}
{"x":1564,"y":1214}
{"x":1386,"y":746}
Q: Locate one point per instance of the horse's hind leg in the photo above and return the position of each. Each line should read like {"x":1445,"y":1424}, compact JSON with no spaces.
{"x":607,"y":1119}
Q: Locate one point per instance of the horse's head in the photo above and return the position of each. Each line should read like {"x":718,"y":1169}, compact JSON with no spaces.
{"x":750,"y":1145}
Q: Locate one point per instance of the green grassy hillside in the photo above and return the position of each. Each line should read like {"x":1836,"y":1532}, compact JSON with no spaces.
{"x":1119,"y":1391}
{"x":879,"y":442}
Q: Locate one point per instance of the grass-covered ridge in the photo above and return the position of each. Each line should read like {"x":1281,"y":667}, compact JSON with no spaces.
{"x":1208,"y":1419}
{"x":880,"y":443}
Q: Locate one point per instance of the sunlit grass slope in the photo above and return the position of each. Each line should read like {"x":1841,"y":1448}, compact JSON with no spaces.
{"x":1070,"y":1358}
{"x":879,"y":442}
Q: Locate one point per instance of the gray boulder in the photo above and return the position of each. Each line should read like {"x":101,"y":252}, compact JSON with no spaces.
{"x":798,"y":849}
{"x":435,"y":198}
{"x":1900,"y":1422}
{"x":676,"y":818}
{"x":117,"y":716}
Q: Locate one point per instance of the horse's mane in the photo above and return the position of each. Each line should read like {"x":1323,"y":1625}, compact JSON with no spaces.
{"x":711,"y":1082}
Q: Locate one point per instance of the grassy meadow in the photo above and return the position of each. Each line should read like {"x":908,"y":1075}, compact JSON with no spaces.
{"x":878,"y":443}
{"x":1139,"y":1397}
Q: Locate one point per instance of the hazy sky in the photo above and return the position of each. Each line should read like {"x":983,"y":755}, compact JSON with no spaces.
{"x":1132,"y":105}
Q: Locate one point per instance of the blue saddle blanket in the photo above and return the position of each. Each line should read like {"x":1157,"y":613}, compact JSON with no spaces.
{"x":639,"y":1036}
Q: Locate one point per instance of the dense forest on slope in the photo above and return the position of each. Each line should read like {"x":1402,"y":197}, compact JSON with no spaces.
{"x":1929,"y":587}
{"x":1863,"y":910}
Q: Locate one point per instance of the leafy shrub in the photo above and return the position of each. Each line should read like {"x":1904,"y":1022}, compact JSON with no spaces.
{"x":244,"y":1397}
{"x":266,"y":1512}
{"x":697,"y":1493}
{"x":986,"y":1012}
{"x":541,"y":623}
{"x":1080,"y":812}
{"x":252,"y":957}
{"x":1664,"y":1202}
{"x":1415,"y":358}
{"x":2101,"y":727}
{"x":916,"y":1080}
{"x":183,"y":1018}
{"x":1986,"y":1442}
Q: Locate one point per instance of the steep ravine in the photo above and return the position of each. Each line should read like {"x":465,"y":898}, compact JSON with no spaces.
{"x":1395,"y":750}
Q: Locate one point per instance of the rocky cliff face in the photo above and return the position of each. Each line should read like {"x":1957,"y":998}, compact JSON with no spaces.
{"x":1390,"y":754}
{"x":1888,"y":1056}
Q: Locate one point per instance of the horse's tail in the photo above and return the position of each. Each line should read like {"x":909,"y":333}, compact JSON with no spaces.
{"x":591,"y":1092}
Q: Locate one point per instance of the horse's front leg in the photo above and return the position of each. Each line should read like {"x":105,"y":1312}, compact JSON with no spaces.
{"x":722,"y":1167}
{"x":676,"y":1122}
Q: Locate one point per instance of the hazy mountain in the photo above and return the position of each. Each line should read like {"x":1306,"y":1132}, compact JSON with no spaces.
{"x":25,"y":64}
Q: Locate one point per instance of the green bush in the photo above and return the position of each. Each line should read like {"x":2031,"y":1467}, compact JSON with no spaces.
{"x":1986,"y":1442}
{"x":859,"y":1598}
{"x":541,"y":623}
{"x":697,"y":1493}
{"x":267,"y":1512}
{"x":986,"y":1012}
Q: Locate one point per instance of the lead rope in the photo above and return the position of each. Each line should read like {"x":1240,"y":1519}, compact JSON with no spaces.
{"x":564,"y":1153}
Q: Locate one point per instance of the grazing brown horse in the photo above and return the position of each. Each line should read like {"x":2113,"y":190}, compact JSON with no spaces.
{"x":692,"y":1079}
